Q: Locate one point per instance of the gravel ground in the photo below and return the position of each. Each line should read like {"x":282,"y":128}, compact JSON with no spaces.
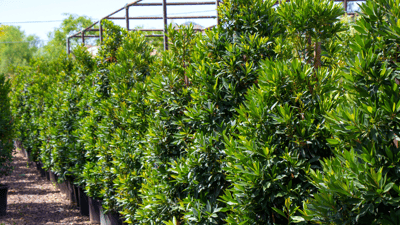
{"x":32,"y":200}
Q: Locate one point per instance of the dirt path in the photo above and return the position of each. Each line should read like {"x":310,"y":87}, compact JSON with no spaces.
{"x":32,"y":200}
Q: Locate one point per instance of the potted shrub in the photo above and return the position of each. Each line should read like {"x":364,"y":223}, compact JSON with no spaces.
{"x":6,"y":143}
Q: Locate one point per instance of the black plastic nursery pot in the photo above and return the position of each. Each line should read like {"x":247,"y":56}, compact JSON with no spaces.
{"x":41,"y":170}
{"x":63,"y":187}
{"x":109,"y":218}
{"x":69,"y":191}
{"x":47,"y":173}
{"x":53,"y":177}
{"x":24,"y":152}
{"x":3,"y":199}
{"x":37,"y":166}
{"x":94,"y":210}
{"x":83,"y":202}
{"x":76,"y":194}
{"x":28,"y":155}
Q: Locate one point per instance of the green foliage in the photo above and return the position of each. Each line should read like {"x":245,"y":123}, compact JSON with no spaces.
{"x":124,"y":123}
{"x":31,"y":90}
{"x":280,"y":132}
{"x":360,"y":184}
{"x":225,"y":66}
{"x":280,"y":135}
{"x":316,"y":18}
{"x":309,"y":24}
{"x":280,"y":115}
{"x":6,"y":128}
{"x":97,"y":126}
{"x":59,"y":140}
{"x":164,"y":140}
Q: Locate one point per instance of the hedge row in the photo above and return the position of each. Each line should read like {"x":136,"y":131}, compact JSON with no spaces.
{"x":249,"y":123}
{"x":6,"y":127}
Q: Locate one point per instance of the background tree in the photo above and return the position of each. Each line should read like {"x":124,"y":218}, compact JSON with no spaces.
{"x":72,"y":24}
{"x":16,"y":49}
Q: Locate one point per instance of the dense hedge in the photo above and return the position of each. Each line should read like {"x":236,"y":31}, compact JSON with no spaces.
{"x":360,"y":185}
{"x":6,"y":127}
{"x":239,"y":125}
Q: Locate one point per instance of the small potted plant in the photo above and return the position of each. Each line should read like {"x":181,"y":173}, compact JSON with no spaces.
{"x":6,"y":140}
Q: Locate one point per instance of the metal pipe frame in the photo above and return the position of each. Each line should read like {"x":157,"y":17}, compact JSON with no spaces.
{"x":85,"y":36}
{"x":68,"y":48}
{"x":279,"y":1}
{"x":176,"y":4}
{"x":165,"y":20}
{"x":164,"y":4}
{"x":154,"y":35}
{"x":81,"y":34}
{"x":127,"y":17}
{"x":101,"y":31}
{"x":147,"y":30}
{"x":161,"y":18}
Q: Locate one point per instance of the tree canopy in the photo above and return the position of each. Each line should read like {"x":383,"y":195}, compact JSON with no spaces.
{"x":16,"y":49}
{"x":58,"y":37}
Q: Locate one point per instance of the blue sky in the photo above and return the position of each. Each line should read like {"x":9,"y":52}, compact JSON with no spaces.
{"x":49,"y":10}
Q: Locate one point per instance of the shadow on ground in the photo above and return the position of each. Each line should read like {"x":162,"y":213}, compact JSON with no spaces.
{"x":32,"y":200}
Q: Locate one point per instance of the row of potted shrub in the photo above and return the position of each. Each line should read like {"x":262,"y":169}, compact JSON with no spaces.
{"x":6,"y":139}
{"x":264,"y":119}
{"x":75,"y":194}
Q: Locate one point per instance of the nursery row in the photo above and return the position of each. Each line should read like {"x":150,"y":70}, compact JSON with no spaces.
{"x":75,"y":195}
{"x":280,"y":115}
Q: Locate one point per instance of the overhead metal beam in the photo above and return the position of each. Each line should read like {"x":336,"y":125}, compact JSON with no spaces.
{"x":176,"y":4}
{"x":161,"y":18}
{"x":86,"y":36}
{"x":81,"y":34}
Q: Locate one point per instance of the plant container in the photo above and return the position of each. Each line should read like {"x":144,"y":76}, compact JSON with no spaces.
{"x":109,"y":218}
{"x":94,"y":210}
{"x":76,"y":194}
{"x":47,"y":175}
{"x":63,"y":187}
{"x":28,"y":155}
{"x":3,"y":199}
{"x":83,"y":202}
{"x":24,"y":152}
{"x":71,"y":192}
{"x":41,"y":170}
{"x":53,"y":177}
{"x":37,"y":166}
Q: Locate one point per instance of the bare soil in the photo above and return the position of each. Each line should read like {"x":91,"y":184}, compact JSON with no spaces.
{"x":33,"y":200}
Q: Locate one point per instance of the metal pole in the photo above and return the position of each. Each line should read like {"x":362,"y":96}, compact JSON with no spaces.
{"x":165,"y":19}
{"x":101,"y":32}
{"x":68,"y":51}
{"x":217,"y":4}
{"x":127,"y":16}
{"x":83,"y":37}
{"x":345,"y":6}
